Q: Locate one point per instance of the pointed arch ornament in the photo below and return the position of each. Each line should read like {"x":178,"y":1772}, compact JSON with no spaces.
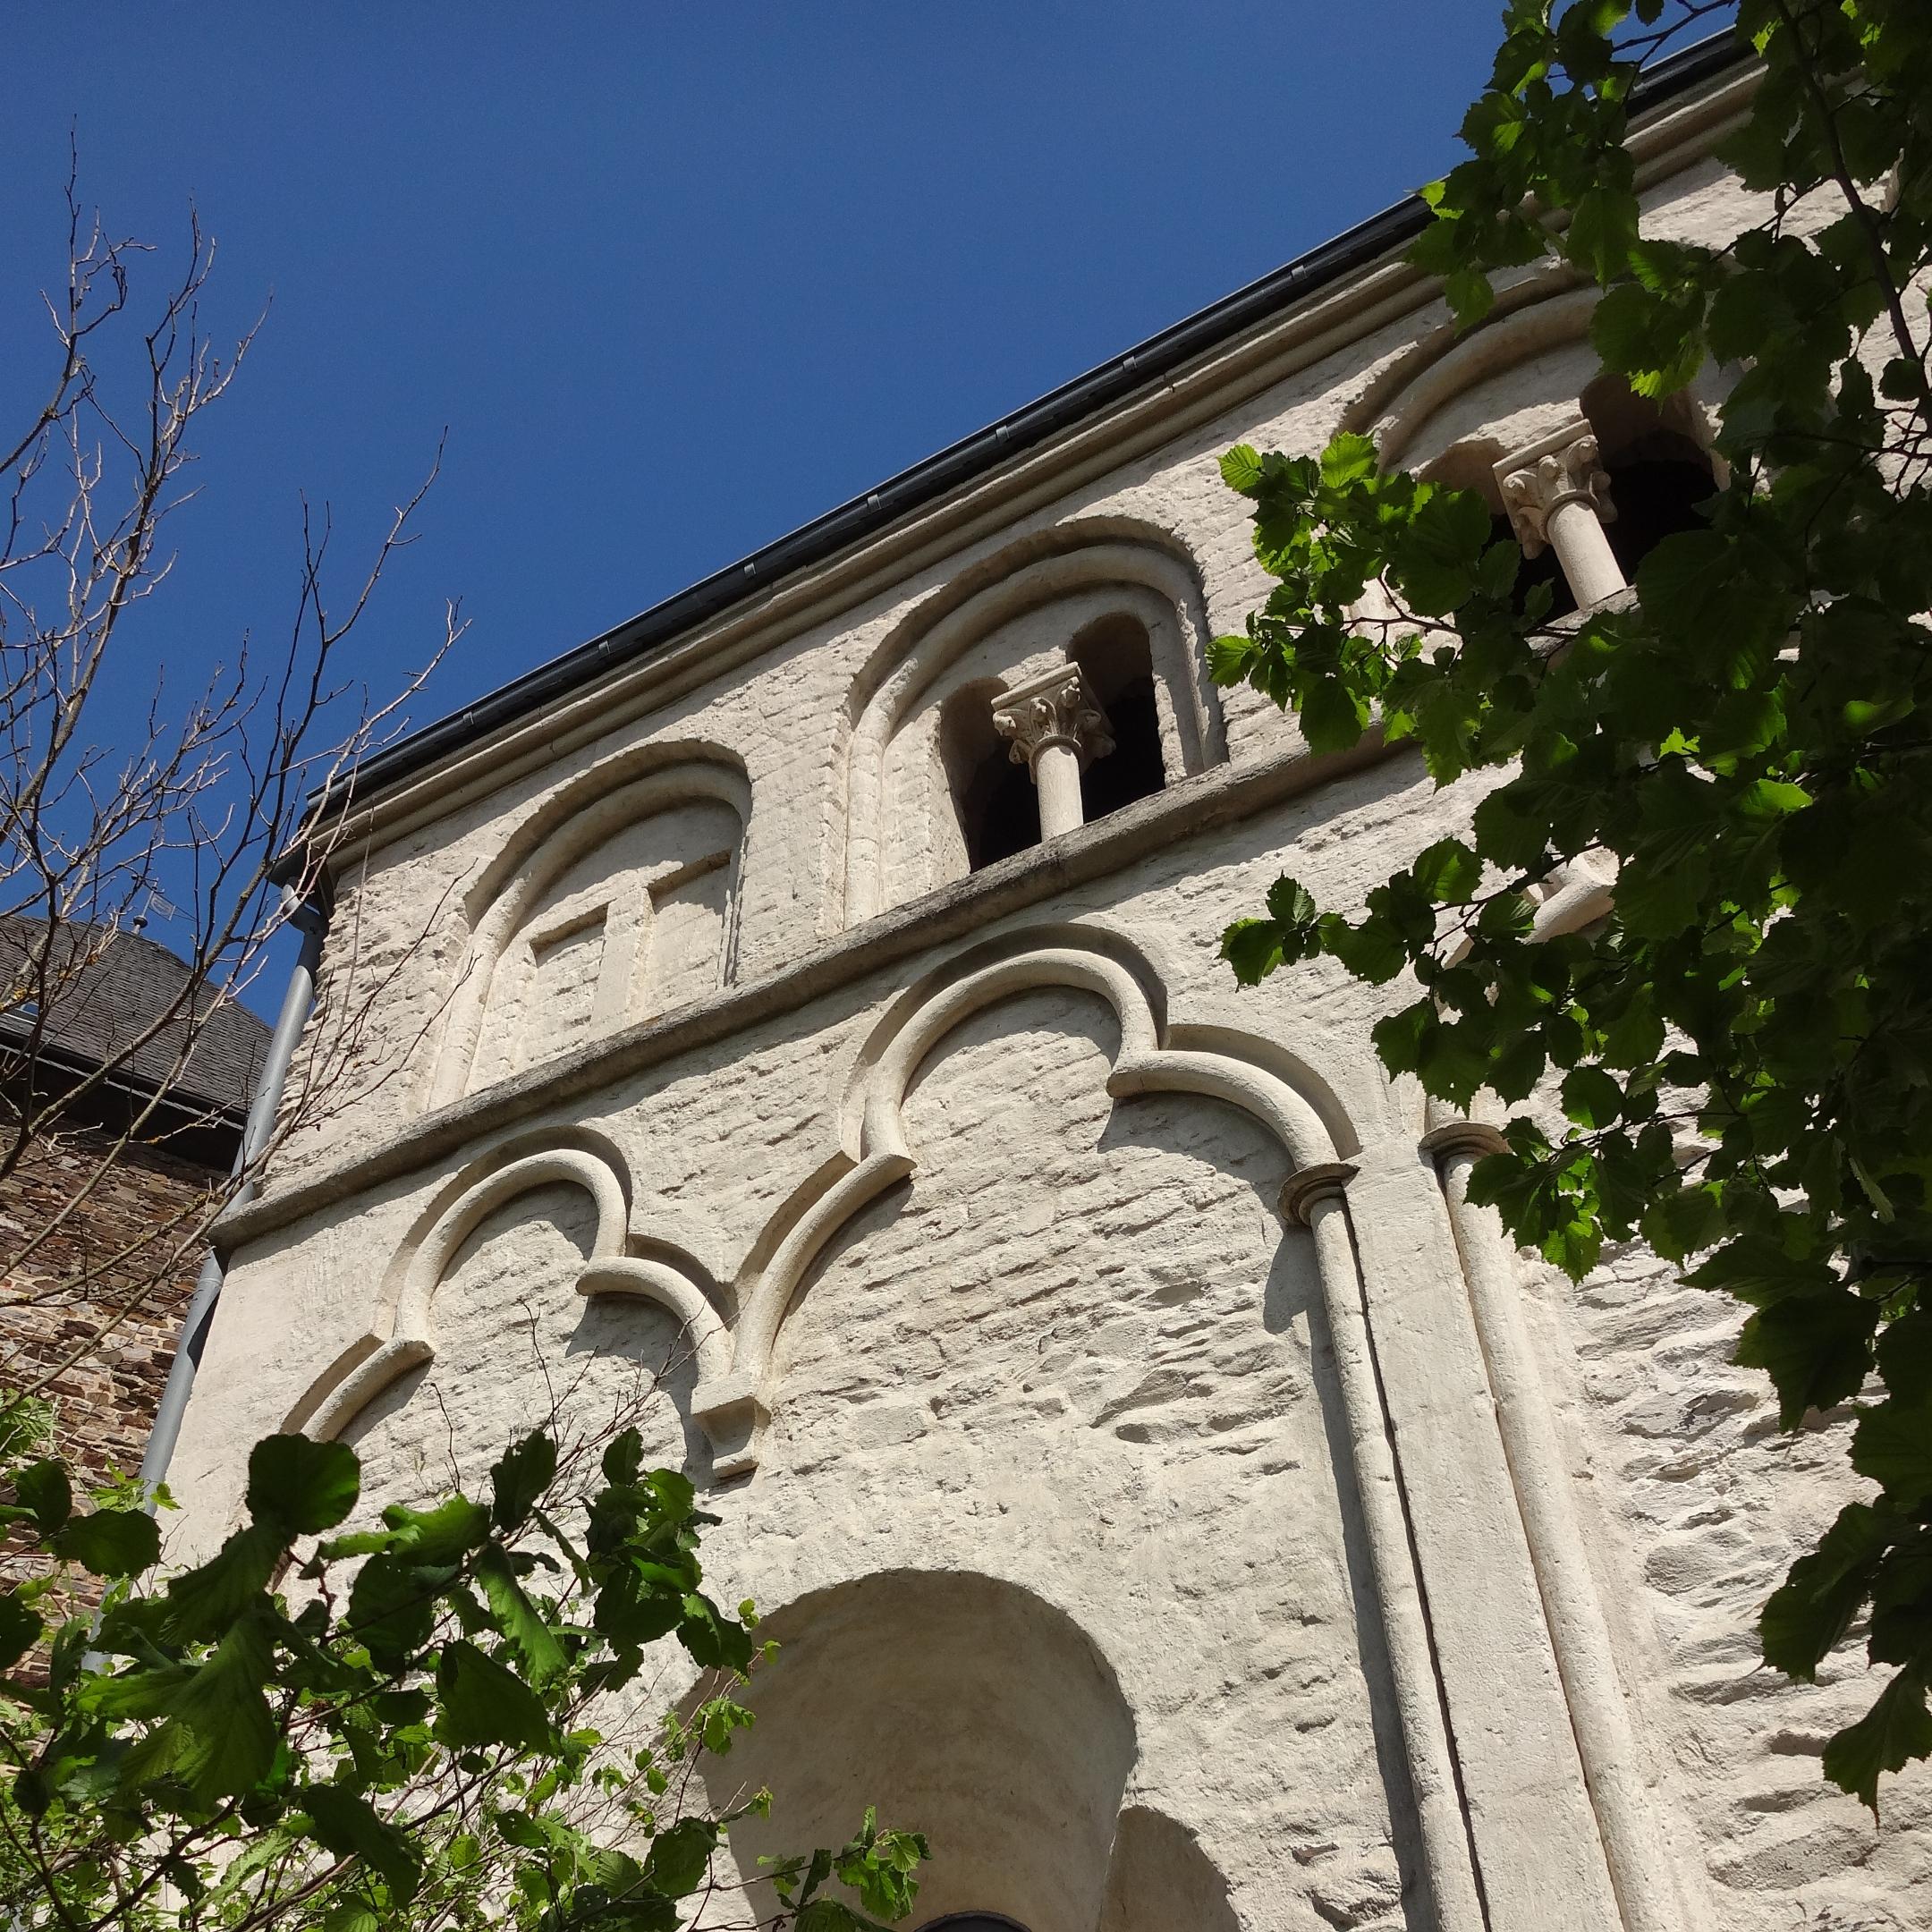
{"x":406,"y":1338}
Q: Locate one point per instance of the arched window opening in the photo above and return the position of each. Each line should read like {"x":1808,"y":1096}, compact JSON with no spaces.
{"x":1657,"y":496}
{"x":972,"y":1922}
{"x":1116,"y":657}
{"x":1661,"y":475}
{"x":997,"y":807}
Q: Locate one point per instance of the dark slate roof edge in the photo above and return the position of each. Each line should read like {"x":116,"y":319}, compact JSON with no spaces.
{"x":115,"y":996}
{"x":1145,"y":363}
{"x":176,"y":1096}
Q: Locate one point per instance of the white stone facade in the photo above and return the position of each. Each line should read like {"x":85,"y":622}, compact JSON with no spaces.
{"x":1170,"y":1493}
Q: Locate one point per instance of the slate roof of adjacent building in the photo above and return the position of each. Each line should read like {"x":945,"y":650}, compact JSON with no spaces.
{"x":1139,"y":368}
{"x":123,"y":983}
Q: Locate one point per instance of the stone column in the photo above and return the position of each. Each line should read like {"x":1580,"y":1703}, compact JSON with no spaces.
{"x":1558,"y":498}
{"x":1639,"y":1865}
{"x":1317,"y":1198}
{"x":1056,"y":731}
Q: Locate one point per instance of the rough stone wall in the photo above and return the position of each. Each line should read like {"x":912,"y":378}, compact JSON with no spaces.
{"x":1121,"y":1318}
{"x":1700,"y":1504}
{"x":129,"y":1256}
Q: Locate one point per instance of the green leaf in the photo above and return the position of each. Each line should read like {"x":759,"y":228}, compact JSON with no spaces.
{"x":1766,"y":799}
{"x":1240,"y":469}
{"x":20,"y":1629}
{"x":1893,"y":1445}
{"x":43,"y":1487}
{"x":623,"y":1458}
{"x":111,"y":1543}
{"x":392,"y":1609}
{"x":301,"y":1487}
{"x":1349,"y":458}
{"x":1291,"y":903}
{"x":1688,"y":1220}
{"x":1332,"y":718}
{"x":681,"y":1856}
{"x":1655,"y":342}
{"x":1449,"y":872}
{"x":1814,"y":1608}
{"x":342,"y":1821}
{"x":1372,"y":951}
{"x":520,"y":1477}
{"x":482,"y":1703}
{"x":1591,"y":1097}
{"x":1905,"y":1356}
{"x":828,"y":1915}
{"x":1469,"y":295}
{"x":1602,"y":231}
{"x":1253,"y":948}
{"x":442,"y":1535}
{"x":219,"y":1734}
{"x":1896,"y":1729}
{"x":517,"y":1617}
{"x":1756,"y":1268}
{"x":1815,"y":1348}
{"x":203,"y":1601}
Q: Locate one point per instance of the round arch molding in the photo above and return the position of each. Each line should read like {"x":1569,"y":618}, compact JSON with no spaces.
{"x":1286,"y":1096}
{"x":1549,"y":315}
{"x":585,"y":814}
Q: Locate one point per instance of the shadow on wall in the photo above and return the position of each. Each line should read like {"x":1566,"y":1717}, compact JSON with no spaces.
{"x":970,"y":1710}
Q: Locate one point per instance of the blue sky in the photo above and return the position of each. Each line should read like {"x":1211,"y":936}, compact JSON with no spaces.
{"x":673,"y":278}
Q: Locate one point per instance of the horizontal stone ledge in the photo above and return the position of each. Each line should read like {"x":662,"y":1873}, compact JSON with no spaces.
{"x":1203,"y":803}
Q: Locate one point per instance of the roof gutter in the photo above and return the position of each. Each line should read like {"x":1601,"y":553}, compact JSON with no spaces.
{"x":1143,"y":365}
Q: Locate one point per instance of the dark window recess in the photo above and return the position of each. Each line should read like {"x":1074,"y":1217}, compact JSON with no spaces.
{"x":1656,"y":498}
{"x":999,"y":810}
{"x":1541,"y":569}
{"x":1132,"y":769}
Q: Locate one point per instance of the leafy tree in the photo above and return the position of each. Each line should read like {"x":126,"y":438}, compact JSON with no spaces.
{"x":1744,"y":735}
{"x":427,"y":1724}
{"x":439,"y":1721}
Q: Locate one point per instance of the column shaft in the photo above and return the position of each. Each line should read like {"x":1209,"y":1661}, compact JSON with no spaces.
{"x":1446,"y":1854}
{"x":1640,"y":1866}
{"x":1583,"y":547}
{"x":1056,"y":775}
{"x":1558,"y":498}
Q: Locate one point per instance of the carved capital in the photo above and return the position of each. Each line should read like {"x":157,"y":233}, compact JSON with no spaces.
{"x":1053,"y":709}
{"x":1564,"y":467}
{"x":1324,"y":1180}
{"x":1463,"y":1137}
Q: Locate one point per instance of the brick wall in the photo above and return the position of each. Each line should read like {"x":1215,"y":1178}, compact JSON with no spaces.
{"x":110,"y":1286}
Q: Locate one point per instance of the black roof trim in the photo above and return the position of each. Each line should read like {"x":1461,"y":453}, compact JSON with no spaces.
{"x":1145,"y":363}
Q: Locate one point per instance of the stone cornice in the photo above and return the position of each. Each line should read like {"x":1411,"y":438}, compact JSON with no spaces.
{"x":1676,"y":135}
{"x":1169,"y":819}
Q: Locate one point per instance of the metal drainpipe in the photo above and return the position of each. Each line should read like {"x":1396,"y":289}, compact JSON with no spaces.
{"x":311,"y":919}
